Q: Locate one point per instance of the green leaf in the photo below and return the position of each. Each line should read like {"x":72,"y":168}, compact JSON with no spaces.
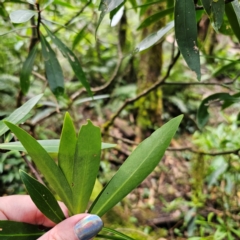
{"x":19,"y":114}
{"x":19,"y":231}
{"x":45,"y":164}
{"x":73,"y":60}
{"x":203,"y":115}
{"x":155,"y":17}
{"x":53,"y":69}
{"x":207,"y":5}
{"x":186,"y":34}
{"x":154,"y":38}
{"x":79,"y":36}
{"x":51,"y":146}
{"x":43,"y":198}
{"x":27,"y":69}
{"x":121,"y":235}
{"x":109,"y":5}
{"x":225,"y":69}
{"x":67,"y":148}
{"x":233,"y":13}
{"x":116,"y":15}
{"x":136,"y":168}
{"x":105,"y":7}
{"x":86,"y":165}
{"x":21,"y":16}
{"x":13,"y":30}
{"x":148,"y":4}
{"x":218,"y":9}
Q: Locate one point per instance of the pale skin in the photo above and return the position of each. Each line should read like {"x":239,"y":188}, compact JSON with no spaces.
{"x":20,"y":208}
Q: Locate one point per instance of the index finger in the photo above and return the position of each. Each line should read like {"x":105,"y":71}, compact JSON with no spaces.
{"x":20,"y":208}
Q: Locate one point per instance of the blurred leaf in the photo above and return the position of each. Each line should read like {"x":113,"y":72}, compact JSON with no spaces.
{"x":51,"y":146}
{"x":105,"y":7}
{"x":86,"y":164}
{"x":220,"y":166}
{"x":79,"y":36}
{"x":155,"y":17}
{"x":19,"y":231}
{"x":207,"y":4}
{"x":13,"y":30}
{"x":149,"y":4}
{"x":218,"y":9}
{"x":186,"y":34}
{"x":64,"y":4}
{"x":19,"y":114}
{"x":136,"y":168}
{"x":133,"y":3}
{"x":119,"y":234}
{"x":225,"y":68}
{"x":45,"y":164}
{"x":108,"y":5}
{"x":73,"y":60}
{"x":21,"y":16}
{"x":53,"y":69}
{"x":233,"y":13}
{"x":154,"y":38}
{"x":43,"y":198}
{"x":203,"y":115}
{"x":116,"y":15}
{"x":27,"y":69}
{"x":228,"y":102}
{"x":67,"y":148}
{"x":90,"y":99}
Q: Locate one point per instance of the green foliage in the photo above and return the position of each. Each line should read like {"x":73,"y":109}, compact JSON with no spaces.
{"x":186,"y":33}
{"x":43,"y":198}
{"x":52,"y":43}
{"x":85,"y":163}
{"x":19,"y":114}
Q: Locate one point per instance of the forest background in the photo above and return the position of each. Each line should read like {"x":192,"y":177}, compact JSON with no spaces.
{"x":129,"y":60}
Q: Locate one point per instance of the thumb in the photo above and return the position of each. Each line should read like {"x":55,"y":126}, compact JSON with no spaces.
{"x":78,"y":227}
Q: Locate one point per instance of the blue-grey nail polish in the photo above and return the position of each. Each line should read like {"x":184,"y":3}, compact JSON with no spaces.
{"x":88,"y":227}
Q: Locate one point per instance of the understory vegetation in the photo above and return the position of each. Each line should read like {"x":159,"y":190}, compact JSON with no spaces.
{"x":130,"y":67}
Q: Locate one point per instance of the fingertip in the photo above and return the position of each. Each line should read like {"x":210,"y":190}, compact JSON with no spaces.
{"x":88,"y":227}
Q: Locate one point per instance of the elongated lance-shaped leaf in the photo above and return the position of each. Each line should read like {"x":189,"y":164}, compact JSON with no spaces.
{"x":207,"y":5}
{"x":186,"y":34}
{"x":218,"y":9}
{"x":67,"y":148}
{"x":45,"y":164}
{"x":20,"y":113}
{"x":27,"y":69}
{"x":154,"y":38}
{"x":136,"y":168}
{"x":73,"y":60}
{"x":203,"y":115}
{"x":43,"y":198}
{"x":53,"y":69}
{"x":19,"y":231}
{"x":233,"y":13}
{"x":21,"y":16}
{"x":86,"y":165}
{"x":79,"y":36}
{"x":51,"y":146}
{"x":155,"y":17}
{"x":105,"y":7}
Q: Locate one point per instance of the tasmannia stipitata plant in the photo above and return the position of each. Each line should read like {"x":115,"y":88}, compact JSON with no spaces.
{"x":73,"y":177}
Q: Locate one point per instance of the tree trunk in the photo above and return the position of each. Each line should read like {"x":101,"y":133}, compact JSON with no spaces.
{"x":150,"y":66}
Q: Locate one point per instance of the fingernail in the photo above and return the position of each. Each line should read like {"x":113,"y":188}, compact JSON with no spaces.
{"x":88,"y":227}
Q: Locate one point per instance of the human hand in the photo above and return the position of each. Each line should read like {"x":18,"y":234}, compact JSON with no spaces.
{"x":20,"y":208}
